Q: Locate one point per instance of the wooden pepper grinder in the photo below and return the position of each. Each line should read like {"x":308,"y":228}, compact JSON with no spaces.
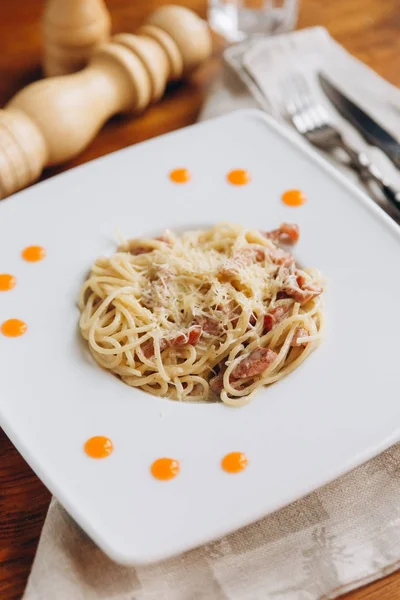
{"x":72,"y":29}
{"x":52,"y":120}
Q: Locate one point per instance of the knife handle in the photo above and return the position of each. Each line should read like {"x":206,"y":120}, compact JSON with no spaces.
{"x":392,"y":195}
{"x":370,"y":172}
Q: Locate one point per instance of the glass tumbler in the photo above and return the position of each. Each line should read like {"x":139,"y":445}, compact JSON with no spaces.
{"x":237,"y":20}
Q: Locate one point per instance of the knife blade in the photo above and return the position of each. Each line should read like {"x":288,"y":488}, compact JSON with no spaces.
{"x":371,"y":131}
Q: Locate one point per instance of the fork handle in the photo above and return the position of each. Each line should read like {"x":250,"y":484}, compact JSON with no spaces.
{"x":369,"y":171}
{"x":390,"y":193}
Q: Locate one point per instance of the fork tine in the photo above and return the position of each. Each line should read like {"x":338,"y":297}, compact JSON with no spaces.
{"x":323,"y":114}
{"x":315,"y":116}
{"x":306,"y":114}
{"x":297,"y":99}
{"x":303,"y":101}
{"x":312,"y":114}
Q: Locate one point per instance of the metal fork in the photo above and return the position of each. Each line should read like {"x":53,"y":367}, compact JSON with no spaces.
{"x":313,"y":121}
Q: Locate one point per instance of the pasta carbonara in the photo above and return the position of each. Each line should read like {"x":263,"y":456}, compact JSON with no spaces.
{"x":211,"y":314}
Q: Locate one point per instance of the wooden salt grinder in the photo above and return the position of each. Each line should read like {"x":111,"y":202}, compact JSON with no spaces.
{"x":72,"y":29}
{"x":52,"y":120}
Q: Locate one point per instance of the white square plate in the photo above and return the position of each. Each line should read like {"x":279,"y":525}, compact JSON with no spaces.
{"x":340,"y":408}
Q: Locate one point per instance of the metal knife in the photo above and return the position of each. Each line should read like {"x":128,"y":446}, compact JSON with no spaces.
{"x":371,"y":131}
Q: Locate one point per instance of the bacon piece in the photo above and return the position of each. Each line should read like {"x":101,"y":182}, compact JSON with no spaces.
{"x":255,"y":363}
{"x":304,"y":294}
{"x":194,"y":335}
{"x":300,"y":332}
{"x":274,"y":316}
{"x":295,"y":286}
{"x":148,"y":347}
{"x":300,"y":278}
{"x":269,"y":322}
{"x":197,"y":390}
{"x":288,"y":233}
{"x":163,"y":238}
{"x":136,"y":250}
{"x":282,"y":296}
{"x":191,"y":337}
{"x":281,"y":257}
{"x":259,"y":254}
{"x":217,"y":383}
{"x":208,"y":324}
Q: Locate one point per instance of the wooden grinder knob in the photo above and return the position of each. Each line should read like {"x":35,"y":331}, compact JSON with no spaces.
{"x":72,"y":29}
{"x":52,"y":120}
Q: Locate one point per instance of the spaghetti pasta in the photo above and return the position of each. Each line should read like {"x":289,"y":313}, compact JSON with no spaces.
{"x":211,"y":314}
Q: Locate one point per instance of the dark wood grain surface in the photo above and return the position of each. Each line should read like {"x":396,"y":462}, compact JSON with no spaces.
{"x":370,"y":29}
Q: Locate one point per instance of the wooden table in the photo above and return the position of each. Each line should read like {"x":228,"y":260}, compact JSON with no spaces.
{"x":367,"y":28}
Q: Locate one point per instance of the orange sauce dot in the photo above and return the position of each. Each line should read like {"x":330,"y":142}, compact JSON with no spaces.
{"x":33,"y":253}
{"x":234,"y":462}
{"x":180,"y":175}
{"x":294,"y":198}
{"x":165,"y":468}
{"x":13,"y":328}
{"x":98,"y":446}
{"x":238,"y":177}
{"x":7,"y":282}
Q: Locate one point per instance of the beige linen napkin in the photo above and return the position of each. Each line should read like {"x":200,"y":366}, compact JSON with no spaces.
{"x":337,"y":538}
